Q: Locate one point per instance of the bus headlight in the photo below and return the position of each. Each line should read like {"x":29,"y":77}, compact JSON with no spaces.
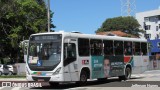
{"x":57,"y":71}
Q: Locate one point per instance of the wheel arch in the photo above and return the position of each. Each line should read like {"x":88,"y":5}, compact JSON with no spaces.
{"x":86,"y":69}
{"x":128,"y":65}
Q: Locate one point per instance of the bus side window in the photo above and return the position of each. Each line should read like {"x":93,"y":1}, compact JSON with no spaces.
{"x":72,"y":51}
{"x":96,"y":47}
{"x":69,"y":53}
{"x":127,"y":48}
{"x":144,"y":48}
{"x":69,"y":50}
{"x":118,"y":47}
{"x":136,"y":48}
{"x":83,"y":47}
{"x":108,"y":47}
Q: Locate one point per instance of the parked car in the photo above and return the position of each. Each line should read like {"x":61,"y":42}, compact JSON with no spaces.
{"x":1,"y":69}
{"x":12,"y":70}
{"x":8,"y":69}
{"x":4,"y":69}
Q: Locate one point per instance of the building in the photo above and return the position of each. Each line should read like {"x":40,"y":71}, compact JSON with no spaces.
{"x":154,"y":47}
{"x":116,"y":33}
{"x":150,"y":22}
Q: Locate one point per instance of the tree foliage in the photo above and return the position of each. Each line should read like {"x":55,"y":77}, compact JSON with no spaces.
{"x":18,"y":20}
{"x":125,"y":24}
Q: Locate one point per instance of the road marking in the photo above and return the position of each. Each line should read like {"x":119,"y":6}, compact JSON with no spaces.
{"x":16,"y":88}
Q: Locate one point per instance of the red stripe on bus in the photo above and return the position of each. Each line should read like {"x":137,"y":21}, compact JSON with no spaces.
{"x":127,"y":59}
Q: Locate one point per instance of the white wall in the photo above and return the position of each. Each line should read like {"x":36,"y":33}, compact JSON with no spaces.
{"x":21,"y":68}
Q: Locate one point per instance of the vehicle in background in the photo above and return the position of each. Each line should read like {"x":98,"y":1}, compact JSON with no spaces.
{"x":1,"y":69}
{"x":12,"y":69}
{"x":8,"y":69}
{"x":4,"y":69}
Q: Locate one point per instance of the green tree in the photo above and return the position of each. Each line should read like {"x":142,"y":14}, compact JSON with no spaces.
{"x":18,"y":20}
{"x":125,"y":24}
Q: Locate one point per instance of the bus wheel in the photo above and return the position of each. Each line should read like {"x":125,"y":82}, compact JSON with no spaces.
{"x":83,"y":78}
{"x":127,"y":73}
{"x":53,"y":84}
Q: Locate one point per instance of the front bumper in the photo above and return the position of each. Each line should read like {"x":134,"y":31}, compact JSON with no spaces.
{"x":52,"y":78}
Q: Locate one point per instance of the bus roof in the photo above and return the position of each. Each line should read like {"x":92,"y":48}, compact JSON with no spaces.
{"x":92,"y":36}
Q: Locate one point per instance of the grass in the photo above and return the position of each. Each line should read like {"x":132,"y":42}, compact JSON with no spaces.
{"x":13,"y":76}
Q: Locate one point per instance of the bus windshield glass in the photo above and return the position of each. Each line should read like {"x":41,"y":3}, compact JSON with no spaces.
{"x":44,"y":50}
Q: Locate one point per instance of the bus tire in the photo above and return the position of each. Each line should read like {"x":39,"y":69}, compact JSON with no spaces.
{"x":53,"y":84}
{"x":83,"y":78}
{"x":127,"y":74}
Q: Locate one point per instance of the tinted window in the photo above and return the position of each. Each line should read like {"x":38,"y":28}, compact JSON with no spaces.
{"x":136,"y":48}
{"x":69,"y":50}
{"x":96,"y":47}
{"x":118,"y":47}
{"x":144,"y":48}
{"x":108,"y":47}
{"x":127,"y":48}
{"x":69,"y":53}
{"x":83,"y":47}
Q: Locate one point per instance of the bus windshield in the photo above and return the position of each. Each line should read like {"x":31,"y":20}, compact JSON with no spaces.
{"x":44,"y":51}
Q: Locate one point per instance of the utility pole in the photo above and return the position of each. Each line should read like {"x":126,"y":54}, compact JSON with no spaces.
{"x":48,"y":15}
{"x":128,"y":7}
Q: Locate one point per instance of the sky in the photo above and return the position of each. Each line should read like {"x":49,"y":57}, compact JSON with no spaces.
{"x":86,"y":16}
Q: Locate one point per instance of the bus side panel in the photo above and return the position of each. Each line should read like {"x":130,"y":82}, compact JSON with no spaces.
{"x":107,"y":66}
{"x":116,"y":65}
{"x":129,"y":60}
{"x":140,"y":64}
{"x":97,"y":66}
{"x":84,"y":62}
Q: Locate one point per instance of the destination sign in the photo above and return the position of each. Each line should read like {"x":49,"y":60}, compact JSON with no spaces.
{"x":46,"y":37}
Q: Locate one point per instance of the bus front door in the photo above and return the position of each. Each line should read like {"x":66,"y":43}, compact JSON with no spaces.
{"x":70,"y":62}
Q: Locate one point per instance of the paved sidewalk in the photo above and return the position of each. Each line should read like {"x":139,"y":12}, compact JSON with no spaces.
{"x":152,"y":75}
{"x":147,"y":74}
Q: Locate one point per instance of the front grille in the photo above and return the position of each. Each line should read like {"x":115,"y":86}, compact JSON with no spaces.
{"x":43,"y":78}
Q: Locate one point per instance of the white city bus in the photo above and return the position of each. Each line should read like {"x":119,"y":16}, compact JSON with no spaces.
{"x":70,"y":57}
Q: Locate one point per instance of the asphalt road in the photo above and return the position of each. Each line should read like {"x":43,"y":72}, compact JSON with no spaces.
{"x":147,"y":80}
